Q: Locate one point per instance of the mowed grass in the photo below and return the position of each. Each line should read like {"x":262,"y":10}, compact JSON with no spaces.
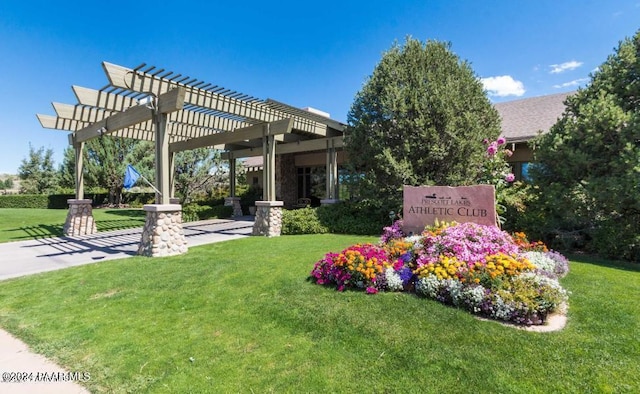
{"x":240,"y":316}
{"x":17,"y":224}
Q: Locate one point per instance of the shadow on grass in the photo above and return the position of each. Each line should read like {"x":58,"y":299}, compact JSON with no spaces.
{"x":602,"y":262}
{"x":37,"y":232}
{"x":130,"y":213}
{"x":110,"y":225}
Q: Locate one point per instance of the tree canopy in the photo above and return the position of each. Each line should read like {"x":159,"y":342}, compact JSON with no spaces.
{"x":105,"y":160}
{"x":588,"y":172}
{"x":37,"y":172}
{"x":419,"y":119}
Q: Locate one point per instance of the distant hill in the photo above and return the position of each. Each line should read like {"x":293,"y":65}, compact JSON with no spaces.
{"x":16,"y":184}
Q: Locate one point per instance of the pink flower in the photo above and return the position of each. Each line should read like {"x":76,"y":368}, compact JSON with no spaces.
{"x":501,"y":141}
{"x":371,"y":290}
{"x":508,"y":153}
{"x":510,"y":177}
{"x":492,"y":149}
{"x":485,"y":141}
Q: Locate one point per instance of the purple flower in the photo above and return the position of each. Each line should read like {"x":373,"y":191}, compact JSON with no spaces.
{"x":492,"y":149}
{"x":392,"y":232}
{"x":501,"y":141}
{"x":510,"y":177}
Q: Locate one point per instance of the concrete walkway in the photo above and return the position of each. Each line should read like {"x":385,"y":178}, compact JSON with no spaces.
{"x":30,"y":257}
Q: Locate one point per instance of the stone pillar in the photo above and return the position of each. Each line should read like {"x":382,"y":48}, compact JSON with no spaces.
{"x":268,"y":218}
{"x":79,"y":218}
{"x":235,"y":203}
{"x":329,"y":201}
{"x":163,"y":234}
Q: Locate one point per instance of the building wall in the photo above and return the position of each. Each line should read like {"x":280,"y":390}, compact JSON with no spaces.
{"x":286,"y":179}
{"x":286,"y":173}
{"x":522,"y":156}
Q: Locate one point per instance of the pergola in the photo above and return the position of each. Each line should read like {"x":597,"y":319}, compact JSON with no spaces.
{"x":182,"y":113}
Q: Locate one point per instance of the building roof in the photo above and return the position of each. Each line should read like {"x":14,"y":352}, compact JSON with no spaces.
{"x":524,"y":119}
{"x":253,"y":163}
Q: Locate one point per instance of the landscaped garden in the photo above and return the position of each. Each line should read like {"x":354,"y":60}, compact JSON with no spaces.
{"x":226,"y":319}
{"x":479,"y":268}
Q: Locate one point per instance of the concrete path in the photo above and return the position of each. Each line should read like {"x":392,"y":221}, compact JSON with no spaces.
{"x":39,"y":375}
{"x":49,"y":254}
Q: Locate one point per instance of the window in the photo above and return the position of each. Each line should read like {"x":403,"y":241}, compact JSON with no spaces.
{"x":312,"y":183}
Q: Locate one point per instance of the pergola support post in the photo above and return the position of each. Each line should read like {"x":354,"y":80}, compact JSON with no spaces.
{"x":232,"y":200}
{"x":332,"y":175}
{"x":163,"y":234}
{"x":268,"y":220}
{"x":80,"y":215}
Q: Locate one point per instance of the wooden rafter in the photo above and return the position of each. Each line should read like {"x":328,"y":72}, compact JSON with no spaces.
{"x":257,"y":111}
{"x":210,"y":115}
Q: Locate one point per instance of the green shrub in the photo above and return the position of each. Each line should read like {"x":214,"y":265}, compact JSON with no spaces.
{"x":193,"y":212}
{"x":249,"y":197}
{"x":341,"y":218}
{"x":59,"y":201}
{"x":360,"y":218}
{"x":137,"y":200}
{"x":302,"y":221}
{"x":40,"y":201}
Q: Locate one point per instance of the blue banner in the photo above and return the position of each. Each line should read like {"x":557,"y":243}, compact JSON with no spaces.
{"x":130,"y":177}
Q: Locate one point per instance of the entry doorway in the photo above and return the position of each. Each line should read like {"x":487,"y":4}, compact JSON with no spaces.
{"x":312,"y":183}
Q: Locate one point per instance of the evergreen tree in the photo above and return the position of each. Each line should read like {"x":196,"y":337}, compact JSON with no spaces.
{"x":37,"y":172}
{"x":420,"y":119}
{"x":588,"y":172}
{"x":105,"y":161}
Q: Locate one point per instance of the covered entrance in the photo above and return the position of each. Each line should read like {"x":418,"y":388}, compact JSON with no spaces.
{"x":181,"y":113}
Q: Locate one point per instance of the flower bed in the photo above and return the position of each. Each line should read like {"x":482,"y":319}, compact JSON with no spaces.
{"x":479,"y":268}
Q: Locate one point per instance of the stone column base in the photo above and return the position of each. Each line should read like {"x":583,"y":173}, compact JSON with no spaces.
{"x":235,"y":203}
{"x":79,"y":219}
{"x":268,"y":218}
{"x":163,"y":234}
{"x":329,"y":201}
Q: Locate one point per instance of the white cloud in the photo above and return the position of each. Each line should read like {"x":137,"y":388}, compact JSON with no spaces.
{"x":566,"y":66}
{"x":575,"y":82}
{"x":503,"y":86}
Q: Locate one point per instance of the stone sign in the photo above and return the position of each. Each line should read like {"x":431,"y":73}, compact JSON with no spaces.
{"x":424,"y":204}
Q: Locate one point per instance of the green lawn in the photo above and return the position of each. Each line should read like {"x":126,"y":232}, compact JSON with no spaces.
{"x":21,"y":224}
{"x":240,"y":316}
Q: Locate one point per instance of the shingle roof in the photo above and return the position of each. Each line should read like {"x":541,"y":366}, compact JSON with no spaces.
{"x":252,"y":162}
{"x":523,"y":119}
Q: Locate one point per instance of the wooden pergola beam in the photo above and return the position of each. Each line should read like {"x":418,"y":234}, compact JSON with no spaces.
{"x":293,"y":147}
{"x":198,"y":121}
{"x":257,"y":111}
{"x":167,"y":102}
{"x":248,"y":133}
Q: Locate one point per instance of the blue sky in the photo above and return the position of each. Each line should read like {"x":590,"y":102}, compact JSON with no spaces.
{"x":314,"y":54}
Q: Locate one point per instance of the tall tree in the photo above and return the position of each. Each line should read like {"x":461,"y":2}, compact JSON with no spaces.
{"x":105,"y":160}
{"x":420,"y":119}
{"x":7,"y":184}
{"x":193,"y":171}
{"x":588,"y":172}
{"x":37,"y":172}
